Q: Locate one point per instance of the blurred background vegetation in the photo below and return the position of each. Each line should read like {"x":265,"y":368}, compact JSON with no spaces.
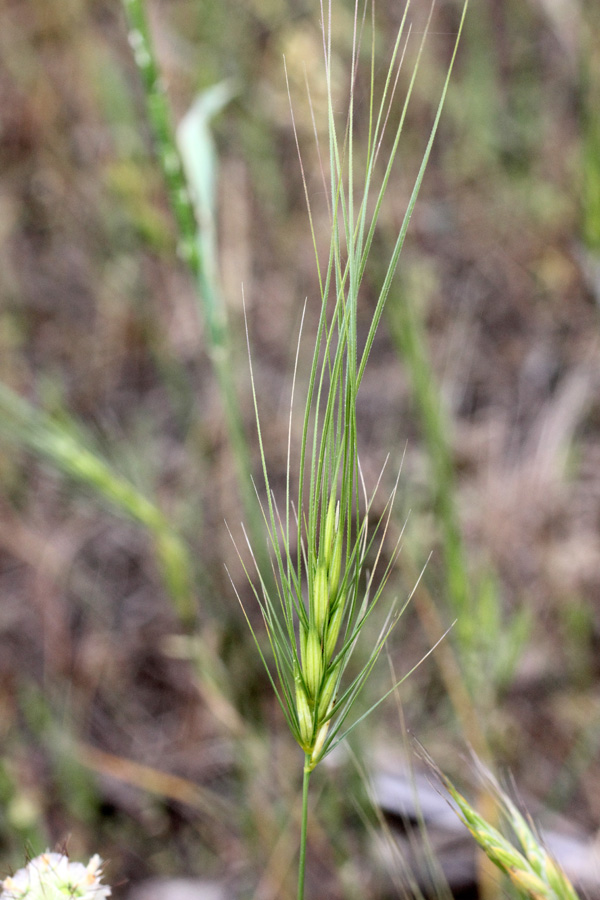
{"x":136,"y":721}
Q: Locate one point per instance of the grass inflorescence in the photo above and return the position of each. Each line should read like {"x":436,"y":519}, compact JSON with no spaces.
{"x":323,"y":542}
{"x":531,"y":869}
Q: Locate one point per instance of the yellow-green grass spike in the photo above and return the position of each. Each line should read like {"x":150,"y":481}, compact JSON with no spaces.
{"x":533,"y":872}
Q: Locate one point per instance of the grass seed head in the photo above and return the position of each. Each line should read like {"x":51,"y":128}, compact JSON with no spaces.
{"x":532,"y":870}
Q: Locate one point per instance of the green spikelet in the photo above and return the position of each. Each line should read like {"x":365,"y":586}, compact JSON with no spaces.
{"x":320,"y":604}
{"x":530,"y":884}
{"x":312,"y":664}
{"x":327,"y":691}
{"x":319,"y":741}
{"x":305,"y":719}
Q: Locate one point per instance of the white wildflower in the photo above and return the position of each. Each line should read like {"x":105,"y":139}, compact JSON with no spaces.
{"x":51,"y":876}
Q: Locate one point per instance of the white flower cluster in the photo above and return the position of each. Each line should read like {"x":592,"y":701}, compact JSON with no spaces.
{"x":52,"y":876}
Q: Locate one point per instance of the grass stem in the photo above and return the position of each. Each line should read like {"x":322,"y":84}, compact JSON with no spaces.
{"x":303,"y":828}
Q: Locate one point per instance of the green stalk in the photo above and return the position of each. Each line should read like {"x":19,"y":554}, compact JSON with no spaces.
{"x":193,"y":241}
{"x":303,"y":828}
